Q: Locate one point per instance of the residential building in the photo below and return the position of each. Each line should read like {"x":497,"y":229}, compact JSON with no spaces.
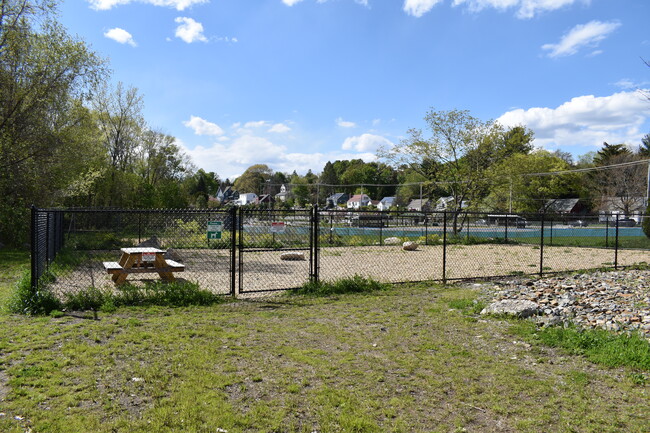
{"x":420,"y":205}
{"x":386,"y":203}
{"x":283,"y":195}
{"x":358,"y":201}
{"x":247,"y":198}
{"x":338,"y":199}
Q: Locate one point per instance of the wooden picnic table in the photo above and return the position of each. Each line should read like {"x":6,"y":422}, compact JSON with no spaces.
{"x":139,"y":260}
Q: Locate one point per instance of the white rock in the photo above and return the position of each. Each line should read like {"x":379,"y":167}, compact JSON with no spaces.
{"x":518,"y":307}
{"x":392,"y":241}
{"x":292,"y":255}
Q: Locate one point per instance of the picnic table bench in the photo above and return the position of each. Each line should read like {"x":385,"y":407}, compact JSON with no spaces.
{"x":140,"y":260}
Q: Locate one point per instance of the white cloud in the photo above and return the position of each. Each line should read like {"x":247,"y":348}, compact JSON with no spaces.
{"x":525,"y":8}
{"x":291,"y":2}
{"x":121,"y":36}
{"x":279,"y":128}
{"x":256,"y":124}
{"x":584,"y":122}
{"x":582,"y":35}
{"x":189,"y":30}
{"x":203,"y":127}
{"x":366,"y":143}
{"x":179,"y":5}
{"x":417,"y":8}
{"x":344,"y":123}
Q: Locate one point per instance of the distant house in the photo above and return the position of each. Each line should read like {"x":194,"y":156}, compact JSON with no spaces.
{"x":247,"y":198}
{"x":565,"y":206}
{"x":266,"y":199}
{"x":283,"y":195}
{"x":447,"y":203}
{"x":386,"y":203}
{"x":358,"y":201}
{"x":623,"y":207}
{"x":340,"y":198}
{"x":419,"y":205}
{"x":227,"y":194}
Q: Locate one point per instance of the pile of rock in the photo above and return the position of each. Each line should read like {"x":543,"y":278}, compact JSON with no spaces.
{"x":616,"y":301}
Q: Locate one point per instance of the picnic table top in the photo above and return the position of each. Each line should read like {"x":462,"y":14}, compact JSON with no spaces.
{"x":140,"y":250}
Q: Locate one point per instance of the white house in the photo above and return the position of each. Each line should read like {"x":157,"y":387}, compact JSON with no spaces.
{"x":386,"y":203}
{"x":358,"y":201}
{"x":247,"y":198}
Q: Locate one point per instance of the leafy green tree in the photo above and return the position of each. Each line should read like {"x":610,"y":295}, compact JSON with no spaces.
{"x":517,"y":185}
{"x":253,"y":179}
{"x":45,"y":75}
{"x":456,"y":144}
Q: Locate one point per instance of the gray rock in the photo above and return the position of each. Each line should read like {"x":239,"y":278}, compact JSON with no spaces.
{"x":392,"y":241}
{"x":152,"y":242}
{"x":172,"y":254}
{"x":516,"y":307}
{"x":410,"y":246}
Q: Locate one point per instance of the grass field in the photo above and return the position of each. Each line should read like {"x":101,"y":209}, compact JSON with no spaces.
{"x":407,"y":359}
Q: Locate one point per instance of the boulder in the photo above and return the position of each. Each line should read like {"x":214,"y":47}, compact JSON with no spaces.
{"x":152,"y":242}
{"x":410,"y":246}
{"x":392,"y":241}
{"x":292,"y":255}
{"x":173,"y":255}
{"x":513,"y":307}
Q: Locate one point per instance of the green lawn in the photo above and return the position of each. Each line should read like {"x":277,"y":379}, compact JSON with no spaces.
{"x":410,"y":359}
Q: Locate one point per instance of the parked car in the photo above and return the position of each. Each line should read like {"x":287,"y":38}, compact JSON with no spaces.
{"x":626,"y":222}
{"x":481,"y":222}
{"x":578,"y":223}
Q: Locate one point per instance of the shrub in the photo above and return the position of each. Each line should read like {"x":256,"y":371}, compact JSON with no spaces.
{"x":26,"y":300}
{"x":356,"y":284}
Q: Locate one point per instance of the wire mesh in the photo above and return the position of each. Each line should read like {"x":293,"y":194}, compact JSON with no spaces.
{"x":254,"y":251}
{"x":275,"y":249}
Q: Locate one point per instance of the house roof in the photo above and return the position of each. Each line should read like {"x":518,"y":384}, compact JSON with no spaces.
{"x":387,"y":200}
{"x":358,"y":198}
{"x":336,"y":196}
{"x":419,"y":202}
{"x":562,"y":204}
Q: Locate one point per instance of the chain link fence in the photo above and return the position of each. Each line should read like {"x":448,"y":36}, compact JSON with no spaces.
{"x":246,"y":252}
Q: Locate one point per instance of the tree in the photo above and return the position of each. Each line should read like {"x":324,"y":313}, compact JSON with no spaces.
{"x":45,"y":75}
{"x":518,"y":187}
{"x":454,"y":144}
{"x":622,"y":188}
{"x":253,"y":179}
{"x":608,"y":151}
{"x":644,"y":148}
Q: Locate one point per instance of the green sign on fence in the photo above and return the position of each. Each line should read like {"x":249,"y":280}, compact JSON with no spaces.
{"x":214,"y":229}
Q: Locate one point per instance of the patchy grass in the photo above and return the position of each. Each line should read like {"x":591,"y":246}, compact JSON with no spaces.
{"x":597,"y":345}
{"x":410,"y":358}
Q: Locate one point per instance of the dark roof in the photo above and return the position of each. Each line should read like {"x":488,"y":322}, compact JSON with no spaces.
{"x":562,"y":204}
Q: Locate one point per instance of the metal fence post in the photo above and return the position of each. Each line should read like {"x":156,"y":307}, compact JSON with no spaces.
{"x":444,"y":248}
{"x":541,"y":248}
{"x":426,"y":228}
{"x":34,"y":252}
{"x":607,"y":216}
{"x":316,"y":243}
{"x":506,"y":229}
{"x":616,"y":245}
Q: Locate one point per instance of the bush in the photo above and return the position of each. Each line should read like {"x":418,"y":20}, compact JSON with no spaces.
{"x":356,"y":284}
{"x":26,"y":300}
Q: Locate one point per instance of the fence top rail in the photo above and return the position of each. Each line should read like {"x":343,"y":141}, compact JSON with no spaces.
{"x":140,"y":211}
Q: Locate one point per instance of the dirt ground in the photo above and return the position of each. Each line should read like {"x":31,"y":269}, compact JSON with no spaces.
{"x":263,"y":271}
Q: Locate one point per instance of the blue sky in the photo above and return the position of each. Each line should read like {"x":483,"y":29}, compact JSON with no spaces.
{"x":295,"y":83}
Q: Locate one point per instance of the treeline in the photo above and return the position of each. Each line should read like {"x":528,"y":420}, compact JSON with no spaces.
{"x":69,"y":139}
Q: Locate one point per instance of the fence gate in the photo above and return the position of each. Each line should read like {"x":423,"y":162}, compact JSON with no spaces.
{"x":277,"y":249}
